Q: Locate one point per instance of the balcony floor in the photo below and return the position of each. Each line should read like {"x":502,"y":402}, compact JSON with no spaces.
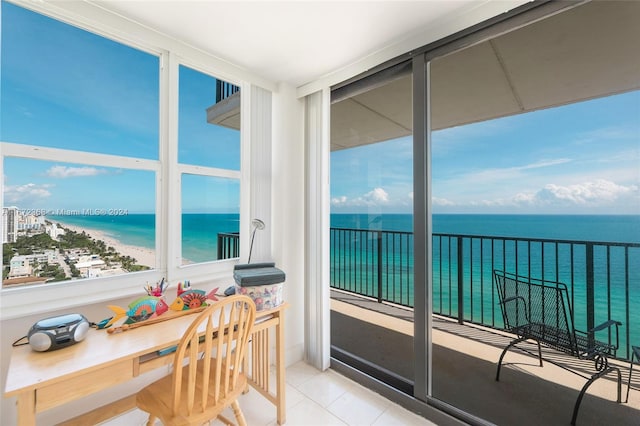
{"x":464,"y":367}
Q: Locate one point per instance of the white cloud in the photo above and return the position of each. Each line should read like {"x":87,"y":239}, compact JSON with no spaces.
{"x":63,"y":172}
{"x":543,"y":163}
{"x":378,"y":195}
{"x":599,"y":195}
{"x":497,"y":176}
{"x":515,"y":170}
{"x":375,"y":197}
{"x":25,"y":194}
{"x":611,"y":134}
{"x":600,"y":192}
{"x":442,"y":202}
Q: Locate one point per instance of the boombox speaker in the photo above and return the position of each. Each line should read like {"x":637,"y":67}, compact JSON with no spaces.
{"x":58,"y":332}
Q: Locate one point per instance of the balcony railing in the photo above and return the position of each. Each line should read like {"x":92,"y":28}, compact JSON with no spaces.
{"x":228,"y":245}
{"x":225,"y":90}
{"x":603,"y":277}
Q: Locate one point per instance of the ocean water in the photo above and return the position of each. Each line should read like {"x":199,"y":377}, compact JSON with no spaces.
{"x":199,"y":231}
{"x":604,"y":228}
{"x":199,"y":243}
{"x":355,"y":266}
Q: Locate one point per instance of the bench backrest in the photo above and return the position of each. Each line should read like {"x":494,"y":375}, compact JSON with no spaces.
{"x":541,"y":308}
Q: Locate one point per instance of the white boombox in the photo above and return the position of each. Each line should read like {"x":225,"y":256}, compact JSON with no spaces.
{"x":58,"y":332}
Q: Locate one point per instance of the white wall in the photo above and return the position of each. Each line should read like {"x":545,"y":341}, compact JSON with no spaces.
{"x":288,"y":211}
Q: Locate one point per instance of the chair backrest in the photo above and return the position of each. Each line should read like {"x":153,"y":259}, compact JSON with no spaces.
{"x":526,"y":300}
{"x":220,"y":334}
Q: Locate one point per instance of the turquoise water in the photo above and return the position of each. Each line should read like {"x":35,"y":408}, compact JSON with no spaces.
{"x":354,"y":264}
{"x":609,"y":228}
{"x":199,"y":231}
{"x":199,"y":239}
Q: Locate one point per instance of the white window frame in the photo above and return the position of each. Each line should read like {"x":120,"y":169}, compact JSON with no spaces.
{"x":37,"y":299}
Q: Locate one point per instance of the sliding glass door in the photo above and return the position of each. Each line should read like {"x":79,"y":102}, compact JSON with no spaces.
{"x":510,"y":146}
{"x":534,"y":151}
{"x":372,"y":226}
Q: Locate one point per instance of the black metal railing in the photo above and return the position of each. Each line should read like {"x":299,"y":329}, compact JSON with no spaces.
{"x":228,"y":245}
{"x":225,"y":90}
{"x":377,"y":264}
{"x":603,"y":277}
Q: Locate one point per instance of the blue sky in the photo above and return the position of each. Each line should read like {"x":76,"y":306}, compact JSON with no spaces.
{"x":63,"y":87}
{"x":582,"y":158}
{"x":74,"y":90}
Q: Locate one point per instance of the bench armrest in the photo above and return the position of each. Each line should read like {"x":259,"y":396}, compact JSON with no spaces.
{"x":512,"y":298}
{"x":606,"y":324}
{"x":518,"y":300}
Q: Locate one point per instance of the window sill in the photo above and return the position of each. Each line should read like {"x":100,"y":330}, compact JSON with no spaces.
{"x":39,"y":299}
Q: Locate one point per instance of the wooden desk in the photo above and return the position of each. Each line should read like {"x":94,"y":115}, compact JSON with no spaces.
{"x":44,"y":380}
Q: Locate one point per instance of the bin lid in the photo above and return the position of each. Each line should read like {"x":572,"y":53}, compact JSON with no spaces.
{"x":255,"y":274}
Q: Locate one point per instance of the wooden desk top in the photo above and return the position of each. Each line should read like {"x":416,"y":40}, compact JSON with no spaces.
{"x":29,"y":370}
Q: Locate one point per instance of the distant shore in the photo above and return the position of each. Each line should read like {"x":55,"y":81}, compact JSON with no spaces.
{"x":142,"y":255}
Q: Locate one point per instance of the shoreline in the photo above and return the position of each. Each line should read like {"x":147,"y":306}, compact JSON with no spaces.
{"x":142,"y":255}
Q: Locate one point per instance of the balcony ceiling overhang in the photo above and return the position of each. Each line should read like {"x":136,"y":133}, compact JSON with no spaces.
{"x":586,"y":52}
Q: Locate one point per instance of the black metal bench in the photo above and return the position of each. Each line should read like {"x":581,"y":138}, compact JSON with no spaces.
{"x":540,"y":310}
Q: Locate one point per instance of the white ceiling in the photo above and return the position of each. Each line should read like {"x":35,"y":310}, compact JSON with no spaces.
{"x":290,"y":41}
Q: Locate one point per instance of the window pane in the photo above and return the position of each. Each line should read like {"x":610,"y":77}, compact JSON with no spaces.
{"x":64,"y":87}
{"x":534,"y":138}
{"x":66,"y":221}
{"x":210,"y":208}
{"x":209,"y":121}
{"x":371,"y":236}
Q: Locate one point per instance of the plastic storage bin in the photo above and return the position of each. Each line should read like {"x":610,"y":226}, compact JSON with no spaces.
{"x":262,"y":282}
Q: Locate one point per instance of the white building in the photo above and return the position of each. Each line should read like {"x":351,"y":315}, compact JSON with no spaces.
{"x":90,"y":266}
{"x":20,"y":266}
{"x":30,"y":222}
{"x":54,"y":231}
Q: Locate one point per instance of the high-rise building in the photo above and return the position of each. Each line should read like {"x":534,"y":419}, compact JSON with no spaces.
{"x":9,"y":224}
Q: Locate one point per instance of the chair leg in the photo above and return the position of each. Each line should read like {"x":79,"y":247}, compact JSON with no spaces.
{"x":539,"y":352}
{"x":513,"y":343}
{"x":152,"y":420}
{"x":635,"y":351}
{"x":238,"y":413}
{"x":593,"y":378}
{"x":225,"y":420}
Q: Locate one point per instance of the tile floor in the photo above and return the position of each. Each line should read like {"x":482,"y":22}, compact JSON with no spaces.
{"x":313,"y":398}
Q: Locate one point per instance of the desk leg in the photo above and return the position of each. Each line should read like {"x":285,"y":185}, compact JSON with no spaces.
{"x":27,"y":408}
{"x":280,"y":370}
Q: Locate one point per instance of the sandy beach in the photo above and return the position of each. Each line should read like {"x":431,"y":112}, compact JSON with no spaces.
{"x":143,"y":256}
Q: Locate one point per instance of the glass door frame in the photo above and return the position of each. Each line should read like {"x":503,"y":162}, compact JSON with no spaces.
{"x":422,"y":399}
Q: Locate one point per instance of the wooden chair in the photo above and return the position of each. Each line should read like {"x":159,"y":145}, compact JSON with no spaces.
{"x":207,"y":372}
